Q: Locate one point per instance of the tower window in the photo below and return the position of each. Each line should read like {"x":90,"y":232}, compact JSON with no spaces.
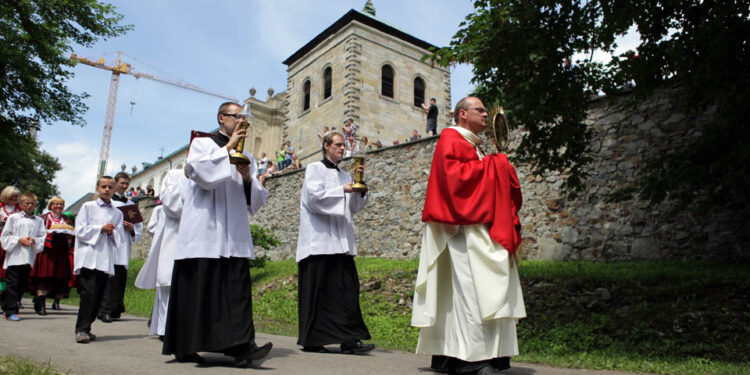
{"x":386,"y":86}
{"x":327,"y":82}
{"x":418,"y":91}
{"x":306,"y":92}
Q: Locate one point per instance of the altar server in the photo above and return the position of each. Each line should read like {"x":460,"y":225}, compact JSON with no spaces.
{"x":97,"y":239}
{"x":8,"y":206}
{"x":468,"y":296}
{"x":22,"y":238}
{"x":113,"y":301}
{"x":328,"y":307}
{"x":164,"y":225}
{"x":210,"y":305}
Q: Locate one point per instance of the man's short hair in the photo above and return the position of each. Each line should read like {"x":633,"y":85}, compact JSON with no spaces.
{"x":120,"y":175}
{"x":462,"y":104}
{"x":328,"y":139}
{"x":433,"y":100}
{"x":28,"y":195}
{"x":223,"y":107}
{"x":98,"y":180}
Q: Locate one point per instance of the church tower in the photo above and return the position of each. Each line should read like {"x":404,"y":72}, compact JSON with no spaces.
{"x":365,"y":69}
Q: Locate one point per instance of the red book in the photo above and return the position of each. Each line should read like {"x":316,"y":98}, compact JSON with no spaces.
{"x":131,"y":213}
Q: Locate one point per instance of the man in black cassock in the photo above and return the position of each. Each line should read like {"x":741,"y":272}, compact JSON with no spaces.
{"x":328,"y":306}
{"x":210,"y":306}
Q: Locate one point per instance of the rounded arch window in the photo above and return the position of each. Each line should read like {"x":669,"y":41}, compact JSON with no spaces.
{"x":327,"y":82}
{"x":387,"y":78}
{"x":418,"y":91}
{"x":306,"y":93}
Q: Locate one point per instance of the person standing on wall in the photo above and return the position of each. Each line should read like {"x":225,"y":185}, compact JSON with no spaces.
{"x":432,"y":115}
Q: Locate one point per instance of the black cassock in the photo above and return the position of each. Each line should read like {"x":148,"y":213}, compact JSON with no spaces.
{"x":328,"y":304}
{"x":210,"y":305}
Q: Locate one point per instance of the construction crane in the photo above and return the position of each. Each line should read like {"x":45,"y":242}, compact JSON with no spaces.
{"x":124,"y":68}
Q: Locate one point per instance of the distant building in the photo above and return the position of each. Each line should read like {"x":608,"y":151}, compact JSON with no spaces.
{"x":263,"y":136}
{"x":361,"y":68}
{"x":367,"y":70}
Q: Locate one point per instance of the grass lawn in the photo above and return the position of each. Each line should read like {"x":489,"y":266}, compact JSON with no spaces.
{"x":659,"y":317}
{"x":14,"y":366}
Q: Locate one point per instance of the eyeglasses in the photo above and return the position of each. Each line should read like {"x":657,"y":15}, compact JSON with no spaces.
{"x":235,"y":115}
{"x":479,"y":109}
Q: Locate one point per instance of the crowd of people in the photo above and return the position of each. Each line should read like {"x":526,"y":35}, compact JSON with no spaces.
{"x":198,"y":261}
{"x":36,"y":252}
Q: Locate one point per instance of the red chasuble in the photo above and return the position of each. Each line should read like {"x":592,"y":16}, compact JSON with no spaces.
{"x":463,"y":190}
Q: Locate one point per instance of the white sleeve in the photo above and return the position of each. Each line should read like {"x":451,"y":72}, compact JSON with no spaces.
{"x":9,"y":240}
{"x":320,"y":199}
{"x":208,"y":164}
{"x":116,"y":233}
{"x":138,"y":232}
{"x":357,"y":202}
{"x":153,"y":222}
{"x":85,"y":232}
{"x":171,"y":200}
{"x":40,"y":236}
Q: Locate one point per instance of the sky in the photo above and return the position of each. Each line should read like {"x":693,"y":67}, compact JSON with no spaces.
{"x":225,"y":46}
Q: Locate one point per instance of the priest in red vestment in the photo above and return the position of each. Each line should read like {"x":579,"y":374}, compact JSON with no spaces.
{"x":468,"y":296}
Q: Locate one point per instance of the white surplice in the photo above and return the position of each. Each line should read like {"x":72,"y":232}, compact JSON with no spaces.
{"x":20,"y":225}
{"x":157,"y":269}
{"x":95,"y":250}
{"x":122,"y":255}
{"x":325,"y":224}
{"x":146,"y":278}
{"x":467,"y":297}
{"x":214,"y":225}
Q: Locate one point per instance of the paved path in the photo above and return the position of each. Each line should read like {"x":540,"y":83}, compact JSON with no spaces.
{"x":123,"y":347}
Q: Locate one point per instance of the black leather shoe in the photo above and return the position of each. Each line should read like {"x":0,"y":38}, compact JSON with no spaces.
{"x":39,"y":306}
{"x":356,"y":347}
{"x":253,"y":354}
{"x":501,"y":363}
{"x":260,"y":351}
{"x":56,"y":304}
{"x":195,"y":358}
{"x":105,"y":318}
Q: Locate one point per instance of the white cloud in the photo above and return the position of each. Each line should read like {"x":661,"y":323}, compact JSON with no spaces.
{"x":78,"y":174}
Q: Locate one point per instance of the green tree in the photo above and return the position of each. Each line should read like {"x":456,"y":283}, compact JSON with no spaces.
{"x":37,"y":39}
{"x":24,"y":165}
{"x":518,"y":50}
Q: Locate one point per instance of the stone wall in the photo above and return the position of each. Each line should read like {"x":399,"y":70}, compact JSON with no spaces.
{"x":141,"y":248}
{"x":581,"y":226}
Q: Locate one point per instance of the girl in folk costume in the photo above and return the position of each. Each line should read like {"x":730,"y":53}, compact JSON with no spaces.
{"x":51,"y":272}
{"x":8,"y":206}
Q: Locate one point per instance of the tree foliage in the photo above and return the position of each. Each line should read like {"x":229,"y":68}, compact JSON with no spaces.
{"x":518,"y":50}
{"x":24,"y":165}
{"x":37,"y":39}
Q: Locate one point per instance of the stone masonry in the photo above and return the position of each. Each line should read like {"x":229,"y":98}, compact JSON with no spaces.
{"x":586,"y":225}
